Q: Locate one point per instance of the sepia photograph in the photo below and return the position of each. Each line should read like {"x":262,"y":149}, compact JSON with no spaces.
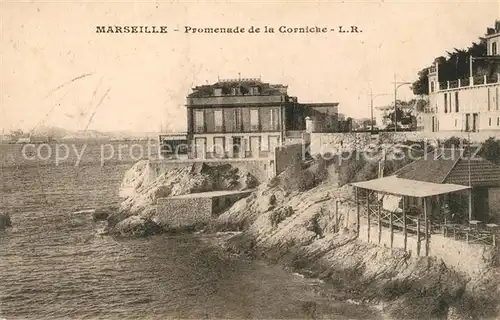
{"x":249,"y":160}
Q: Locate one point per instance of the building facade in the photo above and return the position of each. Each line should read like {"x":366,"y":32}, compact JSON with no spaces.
{"x":248,"y":118}
{"x":469,"y":104}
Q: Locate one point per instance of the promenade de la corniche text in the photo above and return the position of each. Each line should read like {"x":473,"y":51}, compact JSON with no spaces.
{"x":163,"y":29}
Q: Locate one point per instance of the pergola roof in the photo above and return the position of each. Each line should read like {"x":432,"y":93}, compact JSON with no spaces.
{"x":411,"y":188}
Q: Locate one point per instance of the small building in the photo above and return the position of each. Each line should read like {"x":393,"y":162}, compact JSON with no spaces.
{"x":196,"y":208}
{"x":453,"y":166}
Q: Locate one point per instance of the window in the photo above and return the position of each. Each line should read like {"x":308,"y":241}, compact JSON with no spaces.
{"x":219,"y":146}
{"x":496,"y":93}
{"x":455,"y":122}
{"x":445,"y":103}
{"x":234,"y":91}
{"x":498,"y":121}
{"x":432,"y":86}
{"x":494,"y":49}
{"x":457,"y":108}
{"x":274,"y":119}
{"x":218,"y":120}
{"x":490,"y":122}
{"x":254,"y":119}
{"x":199,"y":121}
{"x":237,"y":120}
{"x":218,"y":92}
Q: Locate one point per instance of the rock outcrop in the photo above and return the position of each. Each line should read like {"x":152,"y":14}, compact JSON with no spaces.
{"x":136,"y":226}
{"x":296,"y":226}
{"x":141,"y":188}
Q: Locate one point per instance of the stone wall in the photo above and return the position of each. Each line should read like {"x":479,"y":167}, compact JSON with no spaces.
{"x":262,"y":170}
{"x":179,"y":213}
{"x":471,"y":259}
{"x":394,"y":137}
{"x":286,"y":156}
{"x":322,"y":143}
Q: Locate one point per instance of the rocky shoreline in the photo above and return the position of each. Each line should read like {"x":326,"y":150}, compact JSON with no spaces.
{"x":288,"y":220}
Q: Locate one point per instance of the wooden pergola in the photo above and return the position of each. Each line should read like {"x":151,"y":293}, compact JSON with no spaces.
{"x":392,"y":185}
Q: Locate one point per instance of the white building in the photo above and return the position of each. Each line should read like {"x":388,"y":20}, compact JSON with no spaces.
{"x":470,"y":104}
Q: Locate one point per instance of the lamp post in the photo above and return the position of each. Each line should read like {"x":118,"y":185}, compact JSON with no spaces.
{"x":397,"y":85}
{"x":372,"y":97}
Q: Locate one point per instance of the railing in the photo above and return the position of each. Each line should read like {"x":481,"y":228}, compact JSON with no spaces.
{"x":470,"y":235}
{"x":492,"y":79}
{"x":466,"y":82}
{"x":417,"y":225}
{"x":479,"y":80}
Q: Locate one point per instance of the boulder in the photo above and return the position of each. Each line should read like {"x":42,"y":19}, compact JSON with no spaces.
{"x":5,"y":221}
{"x":136,"y":226}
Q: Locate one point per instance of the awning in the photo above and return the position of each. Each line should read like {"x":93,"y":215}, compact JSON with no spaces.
{"x":405,"y":187}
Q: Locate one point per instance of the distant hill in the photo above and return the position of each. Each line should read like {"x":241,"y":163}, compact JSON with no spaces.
{"x":58,"y":133}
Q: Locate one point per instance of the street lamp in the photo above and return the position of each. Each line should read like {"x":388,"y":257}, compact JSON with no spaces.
{"x":396,"y":87}
{"x":372,"y":97}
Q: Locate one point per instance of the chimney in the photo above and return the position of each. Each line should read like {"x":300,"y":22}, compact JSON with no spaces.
{"x":497,"y":25}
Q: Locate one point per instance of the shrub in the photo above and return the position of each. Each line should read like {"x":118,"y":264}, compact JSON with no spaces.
{"x":490,"y":150}
{"x":454,"y":142}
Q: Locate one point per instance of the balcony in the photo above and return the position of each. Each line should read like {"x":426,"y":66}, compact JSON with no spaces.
{"x":232,"y":100}
{"x":468,"y":82}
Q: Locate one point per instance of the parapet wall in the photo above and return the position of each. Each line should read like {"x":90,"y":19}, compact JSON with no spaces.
{"x":262,"y":170}
{"x":394,"y":137}
{"x":322,"y":143}
{"x":471,"y":259}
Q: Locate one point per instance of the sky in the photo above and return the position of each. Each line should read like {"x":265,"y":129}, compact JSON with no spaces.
{"x":56,"y":70}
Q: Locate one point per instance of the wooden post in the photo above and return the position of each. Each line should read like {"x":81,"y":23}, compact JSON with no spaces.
{"x":357,"y":213}
{"x":379,"y":221}
{"x":336,"y":216}
{"x":418,"y":235}
{"x":493,"y":239}
{"x":404,"y":224}
{"x":392,"y":229}
{"x":426,"y":228}
{"x":428,"y":240}
{"x":368,"y":208}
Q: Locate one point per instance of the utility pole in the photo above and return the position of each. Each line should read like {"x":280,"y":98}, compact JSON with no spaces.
{"x":395,"y":105}
{"x":372,"y":97}
{"x":397,"y":85}
{"x":371,"y":110}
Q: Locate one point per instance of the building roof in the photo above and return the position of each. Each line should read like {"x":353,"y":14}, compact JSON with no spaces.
{"x":433,"y":167}
{"x":405,"y":187}
{"x":482,"y":173}
{"x":265,"y":88}
{"x":451,"y":166}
